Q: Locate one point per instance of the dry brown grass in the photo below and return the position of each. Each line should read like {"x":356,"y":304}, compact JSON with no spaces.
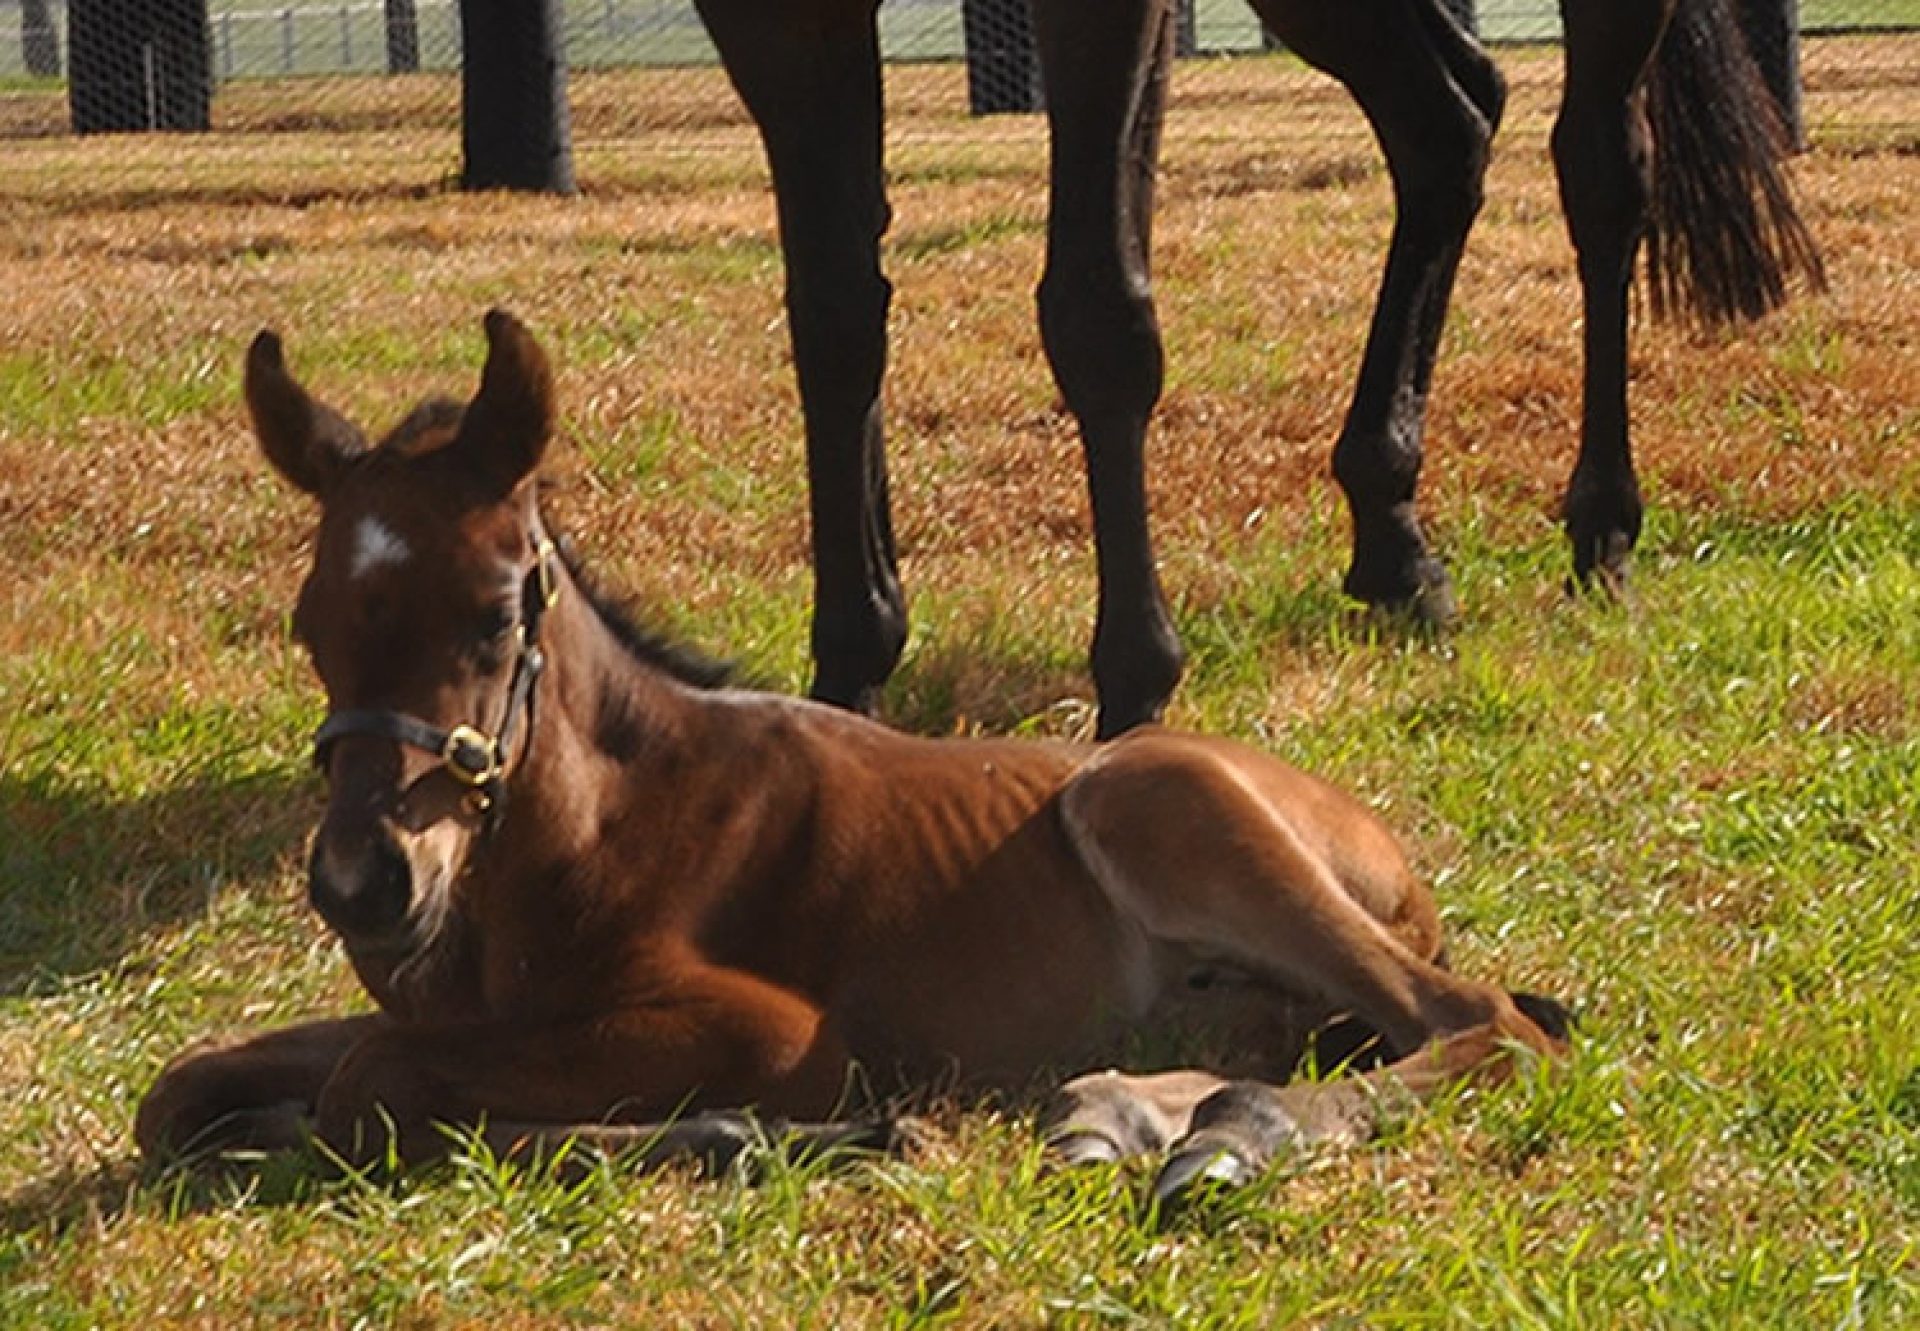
{"x":659,"y":289}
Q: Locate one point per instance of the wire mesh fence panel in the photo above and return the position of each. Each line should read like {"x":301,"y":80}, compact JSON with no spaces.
{"x":643,"y":73}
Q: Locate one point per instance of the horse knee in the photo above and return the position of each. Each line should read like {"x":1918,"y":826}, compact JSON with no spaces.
{"x":1102,"y":340}
{"x":838,"y":325}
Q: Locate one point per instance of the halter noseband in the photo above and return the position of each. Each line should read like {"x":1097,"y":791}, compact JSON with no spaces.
{"x":468,"y":754}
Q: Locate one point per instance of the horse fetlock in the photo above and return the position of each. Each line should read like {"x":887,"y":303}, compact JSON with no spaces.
{"x":1135,"y":675}
{"x":854,"y":655}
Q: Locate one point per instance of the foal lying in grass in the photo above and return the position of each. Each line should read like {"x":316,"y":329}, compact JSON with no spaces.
{"x":589,"y":888}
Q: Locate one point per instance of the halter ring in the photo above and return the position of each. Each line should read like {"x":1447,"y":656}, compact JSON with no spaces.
{"x":472,"y":759}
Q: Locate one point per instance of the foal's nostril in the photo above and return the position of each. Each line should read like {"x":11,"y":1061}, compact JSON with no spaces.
{"x":363,"y":894}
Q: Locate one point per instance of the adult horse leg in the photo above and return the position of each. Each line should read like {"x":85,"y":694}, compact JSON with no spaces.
{"x":1105,"y":67}
{"x":1433,"y":100}
{"x":1602,"y":151}
{"x":810,"y":76}
{"x":1666,"y":133}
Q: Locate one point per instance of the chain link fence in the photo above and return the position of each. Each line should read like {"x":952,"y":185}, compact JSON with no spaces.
{"x":642,"y":72}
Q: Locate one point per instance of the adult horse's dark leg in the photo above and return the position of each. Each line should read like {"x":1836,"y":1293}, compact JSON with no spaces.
{"x":1433,"y":100}
{"x":810,"y":76}
{"x":1105,"y":67}
{"x":1666,"y":133}
{"x":1603,"y":154}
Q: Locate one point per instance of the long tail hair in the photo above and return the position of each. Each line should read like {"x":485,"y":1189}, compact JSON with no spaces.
{"x":1724,"y":235}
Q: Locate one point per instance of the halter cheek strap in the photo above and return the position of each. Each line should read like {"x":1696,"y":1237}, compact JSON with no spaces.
{"x":469,"y":755}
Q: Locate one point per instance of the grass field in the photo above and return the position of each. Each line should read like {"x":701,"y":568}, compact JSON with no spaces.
{"x":1697,"y":817}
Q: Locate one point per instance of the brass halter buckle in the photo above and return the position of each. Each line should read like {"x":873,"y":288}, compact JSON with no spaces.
{"x":547,"y":579}
{"x":472,"y":758}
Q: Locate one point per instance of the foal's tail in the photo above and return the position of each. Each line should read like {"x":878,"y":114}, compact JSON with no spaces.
{"x":1724,"y":236}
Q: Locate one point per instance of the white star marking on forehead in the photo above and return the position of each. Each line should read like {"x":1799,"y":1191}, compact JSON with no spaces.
{"x":375,"y":546}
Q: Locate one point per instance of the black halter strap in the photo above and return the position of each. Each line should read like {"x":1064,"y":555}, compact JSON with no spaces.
{"x":471,"y":756}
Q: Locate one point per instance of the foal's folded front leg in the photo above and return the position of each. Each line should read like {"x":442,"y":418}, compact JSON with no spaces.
{"x":258,"y":1094}
{"x":721,"y":1039}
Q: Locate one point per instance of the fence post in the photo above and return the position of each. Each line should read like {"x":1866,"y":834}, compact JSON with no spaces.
{"x":1772,"y":29}
{"x":144,"y":67}
{"x":286,"y":40}
{"x":515,"y":132}
{"x":1003,"y":68}
{"x":403,"y":37}
{"x":39,"y":39}
{"x":1186,"y":29}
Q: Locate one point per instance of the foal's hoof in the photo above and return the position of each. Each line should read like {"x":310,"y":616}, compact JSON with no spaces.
{"x":1197,"y":1168}
{"x":1236,"y":1133}
{"x":862,"y":699}
{"x":1549,"y":1014}
{"x":1070,"y":1150}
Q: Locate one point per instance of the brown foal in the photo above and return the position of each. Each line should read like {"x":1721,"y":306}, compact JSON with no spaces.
{"x":589,"y":888}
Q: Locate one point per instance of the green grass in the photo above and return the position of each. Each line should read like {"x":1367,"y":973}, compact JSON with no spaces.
{"x":1648,"y":813}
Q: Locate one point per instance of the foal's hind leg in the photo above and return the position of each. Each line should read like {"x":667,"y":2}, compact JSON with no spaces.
{"x":1105,"y":67}
{"x":1602,"y":151}
{"x":1217,"y":853}
{"x":1203,"y":848}
{"x":1433,"y":100}
{"x":810,"y":76}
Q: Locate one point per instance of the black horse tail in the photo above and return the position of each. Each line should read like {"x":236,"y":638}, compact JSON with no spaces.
{"x":1724,"y":235}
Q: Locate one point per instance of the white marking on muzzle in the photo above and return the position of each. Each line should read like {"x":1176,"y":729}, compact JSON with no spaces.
{"x":376,"y":546}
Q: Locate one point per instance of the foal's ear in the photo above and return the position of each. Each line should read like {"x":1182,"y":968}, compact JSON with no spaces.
{"x":306,"y":440}
{"x":504,"y":433}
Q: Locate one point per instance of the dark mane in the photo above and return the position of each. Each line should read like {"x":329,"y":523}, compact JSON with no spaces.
{"x":647,"y":645}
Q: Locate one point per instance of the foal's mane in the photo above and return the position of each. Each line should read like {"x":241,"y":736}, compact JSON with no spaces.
{"x":646,"y":644}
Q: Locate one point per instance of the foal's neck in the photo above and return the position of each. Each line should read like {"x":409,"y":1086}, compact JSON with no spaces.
{"x":598,"y":709}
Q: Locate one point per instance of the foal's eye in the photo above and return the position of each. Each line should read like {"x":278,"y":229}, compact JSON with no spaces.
{"x":495,"y":622}
{"x":491,"y":643}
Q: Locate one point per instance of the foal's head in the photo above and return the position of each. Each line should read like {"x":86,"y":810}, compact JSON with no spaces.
{"x":421,"y":613}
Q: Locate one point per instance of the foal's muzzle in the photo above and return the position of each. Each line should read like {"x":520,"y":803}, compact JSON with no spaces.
{"x":365,"y":897}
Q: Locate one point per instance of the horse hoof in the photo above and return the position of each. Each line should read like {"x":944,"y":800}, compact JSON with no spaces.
{"x":862,"y":699}
{"x":1424,"y":601}
{"x":1070,"y":1150}
{"x":1549,"y":1014}
{"x":1602,"y":565}
{"x":1432,"y":606}
{"x":1199,"y":1169}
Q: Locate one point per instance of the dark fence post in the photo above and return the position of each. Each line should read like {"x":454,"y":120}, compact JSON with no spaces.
{"x":403,"y":37}
{"x":1003,"y":68}
{"x":514,"y":129}
{"x":39,"y":40}
{"x":1186,"y":28}
{"x":138,"y":65}
{"x":1772,"y":29}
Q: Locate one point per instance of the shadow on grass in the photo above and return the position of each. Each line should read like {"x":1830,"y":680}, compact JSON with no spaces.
{"x":55,"y":1205}
{"x":989,"y":686}
{"x":83,"y":873}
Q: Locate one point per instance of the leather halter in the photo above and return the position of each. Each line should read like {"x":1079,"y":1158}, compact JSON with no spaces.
{"x":471,"y":756}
